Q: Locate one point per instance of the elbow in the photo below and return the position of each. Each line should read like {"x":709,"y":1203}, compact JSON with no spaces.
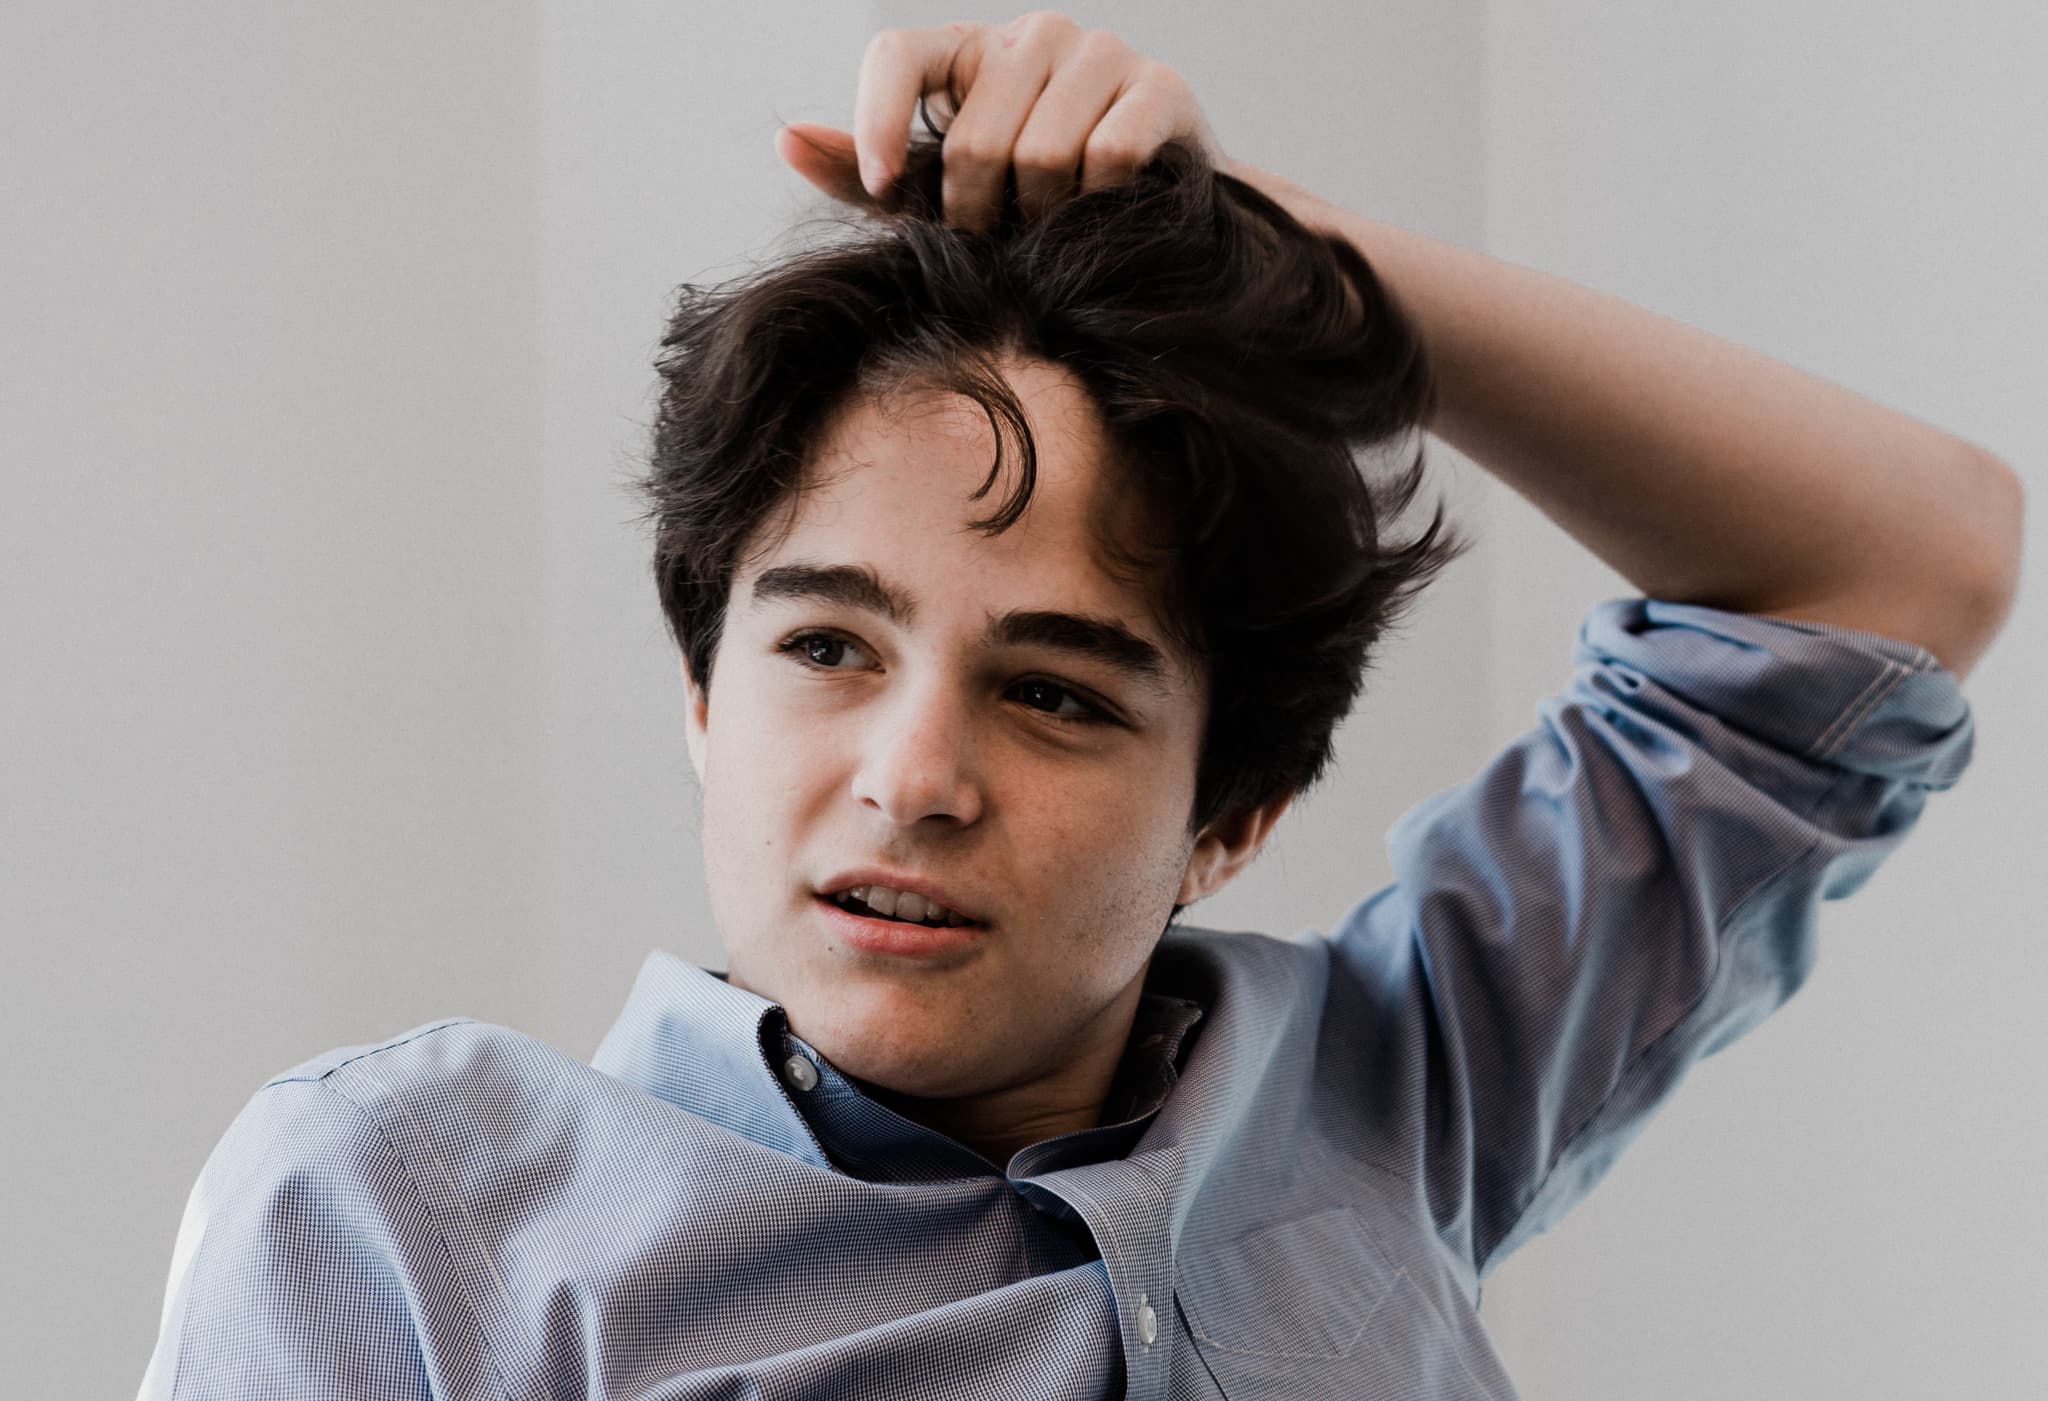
{"x":1994,"y":566}
{"x":2000,"y":582}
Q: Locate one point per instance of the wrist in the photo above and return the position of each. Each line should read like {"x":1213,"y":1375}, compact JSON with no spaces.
{"x":1304,"y":205}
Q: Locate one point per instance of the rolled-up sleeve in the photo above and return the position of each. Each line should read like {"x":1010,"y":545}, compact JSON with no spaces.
{"x":1627,"y":888}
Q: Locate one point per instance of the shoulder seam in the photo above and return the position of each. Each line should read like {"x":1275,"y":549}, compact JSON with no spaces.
{"x":377,"y":1125}
{"x":324,"y":1070}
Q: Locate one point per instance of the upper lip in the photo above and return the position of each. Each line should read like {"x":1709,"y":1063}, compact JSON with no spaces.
{"x":894,"y":880}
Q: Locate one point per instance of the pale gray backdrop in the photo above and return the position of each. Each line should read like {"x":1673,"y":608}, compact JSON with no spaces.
{"x":336,"y":698}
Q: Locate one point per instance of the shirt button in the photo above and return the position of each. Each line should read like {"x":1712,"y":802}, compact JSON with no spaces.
{"x":799,"y":1071}
{"x":1148,"y":1322}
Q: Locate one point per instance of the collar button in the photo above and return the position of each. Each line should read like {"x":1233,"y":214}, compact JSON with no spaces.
{"x":800,"y":1073}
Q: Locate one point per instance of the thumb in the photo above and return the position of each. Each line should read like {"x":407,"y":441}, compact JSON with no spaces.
{"x":825,"y":157}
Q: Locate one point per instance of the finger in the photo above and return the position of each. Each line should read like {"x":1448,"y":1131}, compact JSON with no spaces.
{"x":1137,"y":124}
{"x":825,"y":157}
{"x":1015,"y":67}
{"x":900,"y":66}
{"x":1047,"y":155}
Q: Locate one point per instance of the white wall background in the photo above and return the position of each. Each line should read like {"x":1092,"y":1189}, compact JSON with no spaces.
{"x":1849,"y":1202}
{"x":335,"y":696}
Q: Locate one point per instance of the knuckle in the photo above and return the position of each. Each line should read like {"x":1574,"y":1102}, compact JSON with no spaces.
{"x":1153,"y":73}
{"x":1039,"y":158}
{"x":1111,"y":152}
{"x":1099,"y":43}
{"x":1041,"y":19}
{"x":1037,"y":22}
{"x":970,"y":148}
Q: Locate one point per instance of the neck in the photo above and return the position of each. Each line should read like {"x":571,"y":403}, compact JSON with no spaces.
{"x":997,"y":1125}
{"x":1064,"y":1098}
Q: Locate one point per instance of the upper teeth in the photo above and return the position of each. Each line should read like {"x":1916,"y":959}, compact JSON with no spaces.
{"x":901,"y":904}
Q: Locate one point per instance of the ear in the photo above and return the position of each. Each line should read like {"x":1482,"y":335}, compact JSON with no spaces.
{"x":1225,"y":847}
{"x":696,"y":721}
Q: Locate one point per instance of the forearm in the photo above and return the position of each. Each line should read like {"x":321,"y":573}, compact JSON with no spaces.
{"x":1701,"y":471}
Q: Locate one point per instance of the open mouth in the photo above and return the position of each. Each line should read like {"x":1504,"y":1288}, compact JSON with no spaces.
{"x":923,"y":914}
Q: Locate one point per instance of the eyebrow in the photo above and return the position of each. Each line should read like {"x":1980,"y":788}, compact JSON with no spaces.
{"x":1101,"y":640}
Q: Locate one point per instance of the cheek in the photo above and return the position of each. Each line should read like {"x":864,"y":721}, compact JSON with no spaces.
{"x":752,"y":788}
{"x":757,"y":743}
{"x":1111,"y":865}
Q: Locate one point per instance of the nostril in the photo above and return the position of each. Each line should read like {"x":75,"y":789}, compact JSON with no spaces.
{"x":906,"y":799}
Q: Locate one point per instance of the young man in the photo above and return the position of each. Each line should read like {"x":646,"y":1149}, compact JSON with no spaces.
{"x":1021,"y":570}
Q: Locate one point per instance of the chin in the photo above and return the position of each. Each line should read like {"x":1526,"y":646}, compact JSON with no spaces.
{"x":882,"y":1030}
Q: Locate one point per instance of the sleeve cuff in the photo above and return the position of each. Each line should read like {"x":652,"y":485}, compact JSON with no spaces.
{"x":1840,"y":696}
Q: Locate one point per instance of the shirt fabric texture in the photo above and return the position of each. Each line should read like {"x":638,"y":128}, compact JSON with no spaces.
{"x":1315,"y":1150}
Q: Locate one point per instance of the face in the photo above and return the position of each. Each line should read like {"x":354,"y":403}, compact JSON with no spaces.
{"x":997,"y":719}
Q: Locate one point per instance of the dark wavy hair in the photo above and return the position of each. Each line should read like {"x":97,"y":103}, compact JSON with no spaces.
{"x":1239,"y":362}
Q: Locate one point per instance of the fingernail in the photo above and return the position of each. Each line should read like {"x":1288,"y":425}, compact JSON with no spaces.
{"x":873,"y":175}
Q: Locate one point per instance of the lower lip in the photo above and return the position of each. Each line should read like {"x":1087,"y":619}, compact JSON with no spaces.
{"x":889,"y":936}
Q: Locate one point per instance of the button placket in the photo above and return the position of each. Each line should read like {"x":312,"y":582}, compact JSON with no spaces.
{"x":1124,"y":1205}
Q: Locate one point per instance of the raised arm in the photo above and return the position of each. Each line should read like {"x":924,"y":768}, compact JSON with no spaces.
{"x":1703,"y":472}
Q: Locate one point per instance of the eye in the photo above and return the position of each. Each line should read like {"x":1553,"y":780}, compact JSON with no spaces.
{"x":1048,"y":699}
{"x":823,"y":651}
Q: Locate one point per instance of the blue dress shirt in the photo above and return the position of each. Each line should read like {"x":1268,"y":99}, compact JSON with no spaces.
{"x":1314,"y":1152}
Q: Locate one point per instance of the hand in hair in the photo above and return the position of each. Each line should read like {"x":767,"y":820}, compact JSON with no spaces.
{"x":1070,"y":109}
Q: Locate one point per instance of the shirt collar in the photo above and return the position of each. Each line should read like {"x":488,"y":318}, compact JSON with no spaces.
{"x":691,"y":1038}
{"x":696,"y":1041}
{"x":1151,"y":1059}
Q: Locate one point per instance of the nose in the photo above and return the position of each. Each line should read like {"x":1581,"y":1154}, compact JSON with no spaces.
{"x":918,"y":763}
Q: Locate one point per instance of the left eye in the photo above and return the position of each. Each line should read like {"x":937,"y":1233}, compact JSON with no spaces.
{"x":1045,"y":696}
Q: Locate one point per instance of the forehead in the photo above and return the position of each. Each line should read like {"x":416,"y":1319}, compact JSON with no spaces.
{"x":890,"y":485}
